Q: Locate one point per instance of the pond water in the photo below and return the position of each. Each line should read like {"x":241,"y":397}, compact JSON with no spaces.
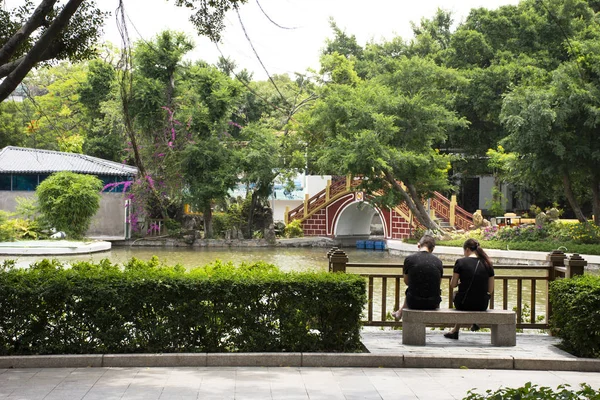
{"x":288,"y":259}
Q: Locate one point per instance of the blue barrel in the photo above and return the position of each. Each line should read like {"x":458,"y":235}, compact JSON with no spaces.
{"x":379,"y":245}
{"x":360,"y":244}
{"x":369,"y":244}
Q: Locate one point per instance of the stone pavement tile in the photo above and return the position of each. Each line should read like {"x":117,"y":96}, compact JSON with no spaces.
{"x":575,"y":378}
{"x":96,"y":393}
{"x":215,"y":393}
{"x":173,"y":394}
{"x":30,"y":394}
{"x":290,"y":396}
{"x":66,"y":394}
{"x":141,"y":394}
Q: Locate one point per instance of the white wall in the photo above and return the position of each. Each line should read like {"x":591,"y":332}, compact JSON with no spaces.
{"x":315,"y":183}
{"x":279,"y":206}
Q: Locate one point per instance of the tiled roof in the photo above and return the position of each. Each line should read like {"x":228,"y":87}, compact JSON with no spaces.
{"x":31,"y":161}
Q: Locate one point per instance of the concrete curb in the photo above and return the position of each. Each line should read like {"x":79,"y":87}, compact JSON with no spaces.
{"x":320,"y":360}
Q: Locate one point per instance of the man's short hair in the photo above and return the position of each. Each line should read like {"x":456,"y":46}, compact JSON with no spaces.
{"x":427,"y":241}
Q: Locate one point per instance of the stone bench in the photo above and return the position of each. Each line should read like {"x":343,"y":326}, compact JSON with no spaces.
{"x":503,"y":324}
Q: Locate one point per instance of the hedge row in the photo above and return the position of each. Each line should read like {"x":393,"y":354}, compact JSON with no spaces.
{"x":576,"y":314}
{"x":146,"y":307}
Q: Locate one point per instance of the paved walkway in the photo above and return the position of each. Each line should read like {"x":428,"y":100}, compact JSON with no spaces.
{"x":258,"y":383}
{"x":443,"y":369}
{"x":474,"y":350}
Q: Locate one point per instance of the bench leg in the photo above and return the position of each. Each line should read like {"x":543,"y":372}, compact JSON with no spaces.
{"x":504,"y":335}
{"x":413,"y":333}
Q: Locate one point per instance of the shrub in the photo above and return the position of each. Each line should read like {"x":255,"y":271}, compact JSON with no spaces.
{"x":576,"y":314}
{"x":532,"y":391}
{"x":522,"y":233}
{"x":293,"y":229}
{"x":69,"y":201}
{"x":587,"y":233}
{"x":151,"y":307}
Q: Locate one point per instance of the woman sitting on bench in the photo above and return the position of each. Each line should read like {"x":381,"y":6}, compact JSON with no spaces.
{"x":474,"y":276}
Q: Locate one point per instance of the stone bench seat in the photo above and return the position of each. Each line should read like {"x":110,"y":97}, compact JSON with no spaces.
{"x":503,"y":324}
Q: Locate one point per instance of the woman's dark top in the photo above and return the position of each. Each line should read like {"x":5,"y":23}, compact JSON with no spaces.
{"x":473,"y":284}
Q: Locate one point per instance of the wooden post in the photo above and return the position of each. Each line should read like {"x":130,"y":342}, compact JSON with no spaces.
{"x":328,"y":191}
{"x":306,"y":197}
{"x":348,"y":182}
{"x":452,"y":210}
{"x":338,"y":261}
{"x":555,"y":259}
{"x":575,"y":266}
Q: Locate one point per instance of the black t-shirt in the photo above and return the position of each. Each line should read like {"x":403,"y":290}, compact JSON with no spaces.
{"x":424,"y":272}
{"x":465,"y":268}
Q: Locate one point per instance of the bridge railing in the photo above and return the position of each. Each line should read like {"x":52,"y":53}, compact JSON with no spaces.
{"x":336,"y":186}
{"x":451,"y":212}
{"x":518,"y":287}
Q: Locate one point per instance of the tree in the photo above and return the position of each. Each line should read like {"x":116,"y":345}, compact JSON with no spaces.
{"x":49,"y":32}
{"x":210,"y":172}
{"x":209,"y":162}
{"x":56,"y":120}
{"x":68,"y":201}
{"x":99,"y":96}
{"x":386,"y":129}
{"x":209,"y":15}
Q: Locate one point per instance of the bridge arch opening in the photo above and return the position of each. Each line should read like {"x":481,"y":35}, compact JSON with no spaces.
{"x":359,"y":220}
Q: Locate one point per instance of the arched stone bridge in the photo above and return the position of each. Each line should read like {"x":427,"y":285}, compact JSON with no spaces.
{"x":342,"y":210}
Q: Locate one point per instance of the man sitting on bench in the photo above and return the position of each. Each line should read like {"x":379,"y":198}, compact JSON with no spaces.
{"x":423,"y":275}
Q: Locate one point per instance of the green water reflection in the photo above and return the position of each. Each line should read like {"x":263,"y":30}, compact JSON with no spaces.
{"x":288,"y":259}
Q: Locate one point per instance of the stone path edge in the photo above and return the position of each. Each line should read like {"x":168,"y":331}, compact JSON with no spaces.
{"x":329,"y":360}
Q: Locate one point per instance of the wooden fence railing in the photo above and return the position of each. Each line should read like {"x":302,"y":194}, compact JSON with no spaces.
{"x":518,"y":287}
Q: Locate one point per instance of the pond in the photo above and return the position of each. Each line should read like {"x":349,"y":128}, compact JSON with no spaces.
{"x":288,"y":259}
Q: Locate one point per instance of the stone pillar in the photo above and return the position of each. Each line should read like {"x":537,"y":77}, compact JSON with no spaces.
{"x":348,"y":182}
{"x":575,"y":266}
{"x":286,"y":216}
{"x":338,"y":261}
{"x":328,"y":191}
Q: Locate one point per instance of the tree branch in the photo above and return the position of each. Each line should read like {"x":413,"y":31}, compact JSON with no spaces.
{"x":34,"y":55}
{"x":50,"y":53}
{"x":35,"y":21}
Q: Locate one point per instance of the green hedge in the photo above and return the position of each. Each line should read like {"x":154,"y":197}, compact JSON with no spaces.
{"x":148,"y":307}
{"x":576,"y":314}
{"x":531,"y":391}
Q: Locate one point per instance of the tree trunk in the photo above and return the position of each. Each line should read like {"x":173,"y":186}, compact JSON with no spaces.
{"x":596,"y":198}
{"x":251,"y":214}
{"x":419,"y":212}
{"x":34,"y":55}
{"x":208,"y":226}
{"x":431,"y":224}
{"x":571,"y":197}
